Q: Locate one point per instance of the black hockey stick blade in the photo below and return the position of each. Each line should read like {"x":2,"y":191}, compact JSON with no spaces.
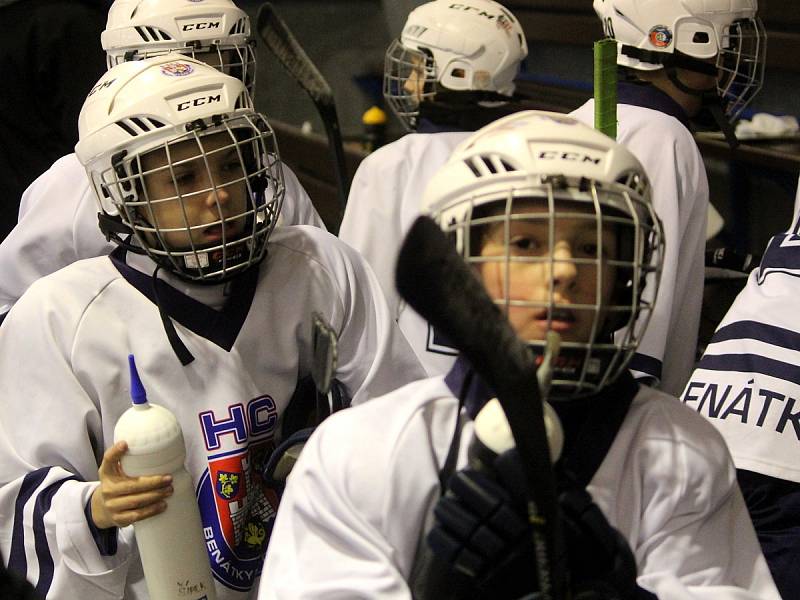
{"x":290,"y":54}
{"x":440,"y":286}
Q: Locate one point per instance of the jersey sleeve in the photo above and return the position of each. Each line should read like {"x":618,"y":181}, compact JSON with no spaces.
{"x":695,"y":539}
{"x":372,"y":222}
{"x":374,"y":356}
{"x":297,"y":206}
{"x":57,"y":226}
{"x":357,"y":503}
{"x":51,"y":442}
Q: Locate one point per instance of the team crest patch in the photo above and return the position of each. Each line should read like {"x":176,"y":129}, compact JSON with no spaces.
{"x":238,"y":512}
{"x":660,"y":36}
{"x":177,"y":69}
{"x":228,"y":484}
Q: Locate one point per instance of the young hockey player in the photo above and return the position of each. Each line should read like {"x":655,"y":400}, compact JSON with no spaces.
{"x":556,"y":220}
{"x":450,"y":72}
{"x":680,"y":56}
{"x":215,"y":303}
{"x":58,"y":212}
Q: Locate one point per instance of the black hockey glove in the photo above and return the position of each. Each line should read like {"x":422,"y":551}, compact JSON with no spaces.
{"x":600,"y":562}
{"x":481,"y":531}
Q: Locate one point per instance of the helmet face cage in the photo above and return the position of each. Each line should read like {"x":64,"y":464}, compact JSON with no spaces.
{"x":620,"y":244}
{"x":409,"y":78}
{"x":236,"y":60}
{"x":740,"y":64}
{"x":203,"y":203}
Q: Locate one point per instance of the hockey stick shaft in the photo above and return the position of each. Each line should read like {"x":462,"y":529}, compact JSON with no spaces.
{"x":284,"y":46}
{"x":438,"y":284}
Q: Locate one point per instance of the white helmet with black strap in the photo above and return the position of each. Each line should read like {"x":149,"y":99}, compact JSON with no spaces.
{"x":214,"y":31}
{"x":570,"y":171}
{"x":476,"y":45}
{"x":722,"y":39}
{"x":170,"y":106}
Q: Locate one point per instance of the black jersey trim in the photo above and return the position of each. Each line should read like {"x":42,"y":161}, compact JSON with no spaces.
{"x":649,"y":96}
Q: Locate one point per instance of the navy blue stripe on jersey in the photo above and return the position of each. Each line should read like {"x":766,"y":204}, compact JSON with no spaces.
{"x":752,"y":363}
{"x":781,"y":256}
{"x":104,"y":539}
{"x":221,"y":327}
{"x":649,"y":96}
{"x":16,"y":557}
{"x":647,"y":365}
{"x":42,"y":506}
{"x":753,"y":330}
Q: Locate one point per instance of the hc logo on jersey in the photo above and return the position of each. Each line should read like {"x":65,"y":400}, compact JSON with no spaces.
{"x":236,"y":508}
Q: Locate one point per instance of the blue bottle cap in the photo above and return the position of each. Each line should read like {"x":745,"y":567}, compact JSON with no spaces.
{"x":138,"y":394}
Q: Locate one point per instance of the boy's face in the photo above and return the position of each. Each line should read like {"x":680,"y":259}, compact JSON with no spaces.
{"x":414,"y":86}
{"x":573,"y":283}
{"x":197,"y":198}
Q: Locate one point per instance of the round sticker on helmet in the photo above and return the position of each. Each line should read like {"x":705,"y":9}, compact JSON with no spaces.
{"x":177,"y":69}
{"x":660,"y":36}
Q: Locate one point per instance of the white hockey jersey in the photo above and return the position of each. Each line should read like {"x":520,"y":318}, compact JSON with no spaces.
{"x":387,"y":190}
{"x":64,"y":384}
{"x":58,"y":225}
{"x":748,"y":381}
{"x":361,"y":498}
{"x":649,"y":125}
{"x":383,"y":203}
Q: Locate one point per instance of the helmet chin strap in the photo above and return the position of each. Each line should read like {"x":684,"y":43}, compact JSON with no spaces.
{"x":710,"y":100}
{"x":678,"y":60}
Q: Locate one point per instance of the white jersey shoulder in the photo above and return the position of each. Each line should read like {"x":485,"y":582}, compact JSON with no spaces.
{"x":384,"y":201}
{"x":58,"y":225}
{"x":677,"y":174}
{"x":356,"y":507}
{"x":748,"y":382}
{"x":64,"y":350}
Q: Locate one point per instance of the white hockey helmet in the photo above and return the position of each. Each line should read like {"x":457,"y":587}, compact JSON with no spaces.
{"x":180,"y":122}
{"x":476,"y":45}
{"x":569,"y":171}
{"x":214,"y":31}
{"x":653,"y":34}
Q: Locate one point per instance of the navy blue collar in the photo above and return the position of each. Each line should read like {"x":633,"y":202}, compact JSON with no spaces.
{"x":427,"y":126}
{"x":649,"y":96}
{"x":221,"y":327}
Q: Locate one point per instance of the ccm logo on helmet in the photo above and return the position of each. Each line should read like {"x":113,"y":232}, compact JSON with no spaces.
{"x":200,"y":101}
{"x":481,"y":13}
{"x":100,"y":86}
{"x":572,"y":156}
{"x":197,"y":26}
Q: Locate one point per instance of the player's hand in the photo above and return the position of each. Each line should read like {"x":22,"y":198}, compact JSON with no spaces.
{"x":600,"y":562}
{"x":481,"y":531}
{"x":120,"y":500}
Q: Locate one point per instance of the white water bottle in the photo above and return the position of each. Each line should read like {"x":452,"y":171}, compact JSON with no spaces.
{"x":171,"y":544}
